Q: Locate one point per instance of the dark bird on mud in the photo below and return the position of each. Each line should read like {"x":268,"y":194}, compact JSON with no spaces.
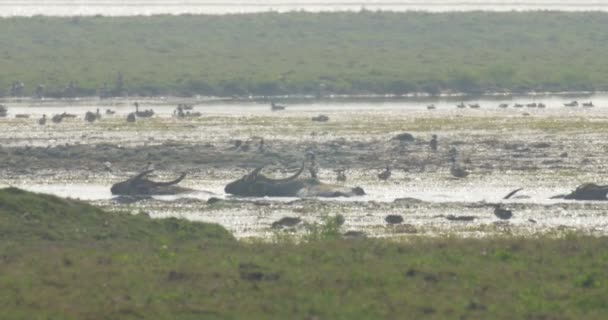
{"x":571,"y":104}
{"x":286,"y":222}
{"x":42,"y":121}
{"x":430,"y":107}
{"x":276,"y":107}
{"x":456,"y":170}
{"x":131,"y":117}
{"x":541,"y":105}
{"x":503,"y":105}
{"x":90,"y":117}
{"x":320,"y":118}
{"x":393,"y":219}
{"x":502,"y":213}
{"x":588,"y":104}
{"x":110,"y":112}
{"x":341,"y":176}
{"x":433,"y":143}
{"x":461,"y":105}
{"x":518,"y":105}
{"x":474,"y":106}
{"x":58,"y":117}
{"x":384,"y":175}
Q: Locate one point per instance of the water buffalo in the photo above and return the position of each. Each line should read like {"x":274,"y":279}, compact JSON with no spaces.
{"x":587,"y":191}
{"x":139,"y":185}
{"x":255,"y":184}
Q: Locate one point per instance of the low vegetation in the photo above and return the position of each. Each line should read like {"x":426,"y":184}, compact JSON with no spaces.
{"x":305,"y":53}
{"x":62,"y":259}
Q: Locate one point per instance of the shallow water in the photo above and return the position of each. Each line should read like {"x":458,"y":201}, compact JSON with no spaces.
{"x":150,"y":7}
{"x":357,"y":137}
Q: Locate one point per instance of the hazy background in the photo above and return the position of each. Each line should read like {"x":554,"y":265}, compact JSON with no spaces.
{"x":148,"y":7}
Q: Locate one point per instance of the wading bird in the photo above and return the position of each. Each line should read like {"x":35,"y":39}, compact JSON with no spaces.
{"x":384,"y":175}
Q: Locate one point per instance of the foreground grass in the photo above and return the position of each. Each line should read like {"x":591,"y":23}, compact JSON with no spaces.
{"x":311,"y":53}
{"x":196,"y":274}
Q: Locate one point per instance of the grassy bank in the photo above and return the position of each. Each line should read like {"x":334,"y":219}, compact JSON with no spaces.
{"x":306,"y":53}
{"x":100,"y":265}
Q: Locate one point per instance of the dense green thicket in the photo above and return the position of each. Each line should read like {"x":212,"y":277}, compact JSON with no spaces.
{"x":63,"y":259}
{"x":306,"y":53}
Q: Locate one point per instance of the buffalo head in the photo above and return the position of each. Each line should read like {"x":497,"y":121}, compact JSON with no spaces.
{"x":254,"y":184}
{"x":140,"y":185}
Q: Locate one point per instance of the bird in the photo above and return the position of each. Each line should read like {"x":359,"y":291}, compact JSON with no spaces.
{"x":461,"y":105}
{"x":588,"y":104}
{"x":393,"y":219}
{"x":456,"y":170}
{"x":502,"y":213}
{"x":384,"y":175}
{"x":131,"y":117}
{"x":108,"y":111}
{"x":276,"y":107}
{"x":430,"y":107}
{"x":286,"y":222}
{"x":503,"y":105}
{"x":90,"y":116}
{"x":42,"y":121}
{"x":341,"y":176}
{"x":433,"y":143}
{"x":313,"y":169}
{"x":58,"y":117}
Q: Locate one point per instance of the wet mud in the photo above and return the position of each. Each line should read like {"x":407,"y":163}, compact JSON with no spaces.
{"x":545,"y":151}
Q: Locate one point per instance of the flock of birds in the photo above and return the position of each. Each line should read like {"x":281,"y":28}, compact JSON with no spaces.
{"x":185,"y":111}
{"x":538,"y":105}
{"x":90,"y":116}
{"x":456,"y":169}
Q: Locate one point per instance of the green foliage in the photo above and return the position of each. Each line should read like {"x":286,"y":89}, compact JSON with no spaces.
{"x":306,"y":53}
{"x":27,"y":216}
{"x":328,"y":229}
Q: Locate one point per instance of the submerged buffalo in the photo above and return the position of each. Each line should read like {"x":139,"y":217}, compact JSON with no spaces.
{"x":139,"y":185}
{"x":255,"y":184}
{"x":587,"y":191}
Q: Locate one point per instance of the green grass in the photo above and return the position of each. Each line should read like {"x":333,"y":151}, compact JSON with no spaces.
{"x":270,"y":53}
{"x":31,"y":217}
{"x":153,"y":270}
